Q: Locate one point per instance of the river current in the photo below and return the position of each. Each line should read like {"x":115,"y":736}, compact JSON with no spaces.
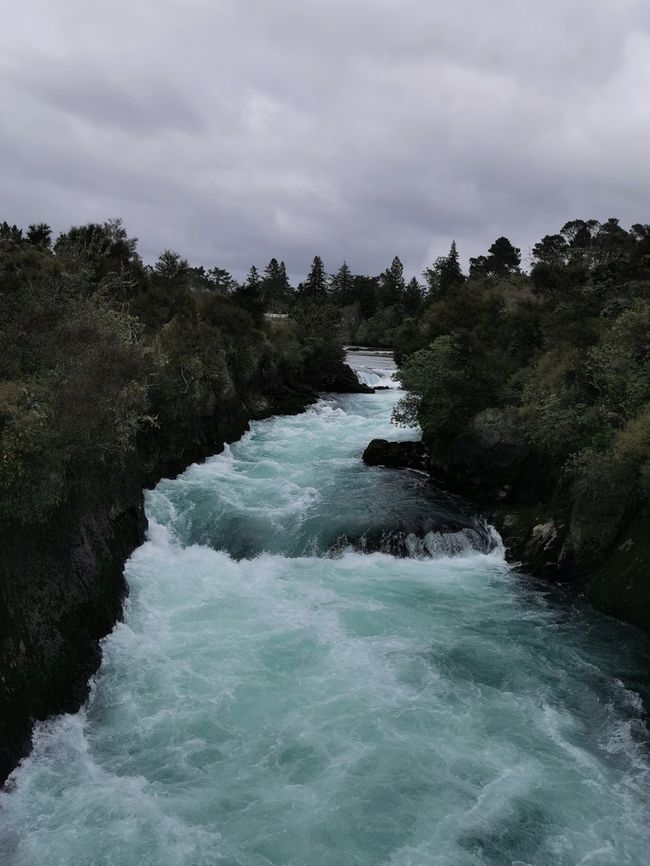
{"x":279,"y":696}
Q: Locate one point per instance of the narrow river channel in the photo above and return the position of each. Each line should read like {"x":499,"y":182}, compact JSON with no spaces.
{"x":281,"y":695}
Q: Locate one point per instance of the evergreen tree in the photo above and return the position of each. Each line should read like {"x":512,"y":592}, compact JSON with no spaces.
{"x":10,"y":233}
{"x":39,"y":234}
{"x":366,"y":292}
{"x":445,"y":272}
{"x":170,"y":266}
{"x":392,"y":284}
{"x":221,"y":281}
{"x":276,"y":289}
{"x":504,"y":258}
{"x":250,"y":296}
{"x":413,"y":296}
{"x":342,"y":284}
{"x":315,"y":285}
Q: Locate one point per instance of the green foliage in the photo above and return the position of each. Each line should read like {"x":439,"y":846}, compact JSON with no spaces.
{"x":445,"y":273}
{"x":568,"y":347}
{"x":443,"y":395}
{"x":96,"y":349}
{"x":620,"y":364}
{"x":315,"y":285}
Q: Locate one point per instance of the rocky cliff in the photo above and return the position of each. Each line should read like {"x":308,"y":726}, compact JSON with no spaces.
{"x":61,"y":582}
{"x":595,"y":535}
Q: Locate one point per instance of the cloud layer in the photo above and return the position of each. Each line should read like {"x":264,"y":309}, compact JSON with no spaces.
{"x":357,"y":129}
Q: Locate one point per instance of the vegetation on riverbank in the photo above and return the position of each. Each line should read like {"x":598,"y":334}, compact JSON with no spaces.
{"x":534,"y":389}
{"x":98,"y":350}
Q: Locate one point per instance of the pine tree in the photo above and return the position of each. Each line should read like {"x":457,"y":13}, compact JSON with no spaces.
{"x":413,"y":296}
{"x":249,"y":296}
{"x":275,"y":284}
{"x":393,"y":285}
{"x":504,"y":258}
{"x":342,"y":284}
{"x":315,"y":285}
{"x":445,"y":272}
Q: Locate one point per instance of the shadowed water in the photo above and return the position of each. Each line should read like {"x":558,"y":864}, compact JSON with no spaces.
{"x":267,"y":703}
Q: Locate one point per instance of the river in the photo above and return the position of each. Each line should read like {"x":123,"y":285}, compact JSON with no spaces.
{"x":278,"y":695}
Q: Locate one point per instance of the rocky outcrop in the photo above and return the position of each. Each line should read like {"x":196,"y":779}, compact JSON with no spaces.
{"x":337,"y":377}
{"x":399,"y":455}
{"x":61,"y":582}
{"x":491,"y":457}
{"x":620,"y":586}
{"x":594,"y":533}
{"x":61,"y":590}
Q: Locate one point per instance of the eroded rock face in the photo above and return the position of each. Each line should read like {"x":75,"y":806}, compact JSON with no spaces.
{"x":621,"y":584}
{"x":491,"y":457}
{"x":399,"y":455}
{"x":603,"y":504}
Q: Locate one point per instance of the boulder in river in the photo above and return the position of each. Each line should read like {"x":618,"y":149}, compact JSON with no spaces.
{"x":339,"y":377}
{"x":399,"y":455}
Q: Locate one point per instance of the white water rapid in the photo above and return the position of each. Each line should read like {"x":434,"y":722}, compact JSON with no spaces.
{"x":276,"y":696}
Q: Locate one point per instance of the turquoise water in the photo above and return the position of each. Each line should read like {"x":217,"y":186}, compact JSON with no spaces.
{"x":289,"y":706}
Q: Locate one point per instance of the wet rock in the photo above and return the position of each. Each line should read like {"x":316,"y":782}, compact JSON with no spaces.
{"x":419,"y":543}
{"x":399,"y":455}
{"x":621,"y":584}
{"x":339,"y":377}
{"x":491,"y":455}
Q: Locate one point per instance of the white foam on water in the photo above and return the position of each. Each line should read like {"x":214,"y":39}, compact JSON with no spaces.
{"x":267,"y":708}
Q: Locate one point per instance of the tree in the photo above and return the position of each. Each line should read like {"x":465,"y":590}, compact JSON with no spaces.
{"x":444,"y":273}
{"x":580,"y":233}
{"x":275,"y":287}
{"x":315,"y":285}
{"x":413,"y":296}
{"x":342,"y":285}
{"x":221,"y":281}
{"x":10,"y":233}
{"x":366,"y":292}
{"x":250,"y":296}
{"x":504,"y":259}
{"x":170,"y":266}
{"x":40,"y":235}
{"x":552,"y":250}
{"x":98,"y":249}
{"x":392,"y":284}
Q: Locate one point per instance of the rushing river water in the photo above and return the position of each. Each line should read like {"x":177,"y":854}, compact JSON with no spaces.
{"x":277,"y":697}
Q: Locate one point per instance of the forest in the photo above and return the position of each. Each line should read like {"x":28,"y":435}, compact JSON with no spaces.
{"x":97,"y":347}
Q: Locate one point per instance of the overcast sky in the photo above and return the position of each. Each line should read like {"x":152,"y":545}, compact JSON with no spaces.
{"x":237,"y":130}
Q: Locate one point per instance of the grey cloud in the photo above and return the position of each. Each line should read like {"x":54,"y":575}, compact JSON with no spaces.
{"x":355,"y":129}
{"x":105,"y":100}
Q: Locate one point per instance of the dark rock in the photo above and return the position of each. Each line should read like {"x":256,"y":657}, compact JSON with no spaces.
{"x":604,"y":500}
{"x":61,"y":590}
{"x":534,"y":536}
{"x":491,"y":457}
{"x":400,"y":455}
{"x":417,"y":542}
{"x":339,"y":377}
{"x":620,"y":586}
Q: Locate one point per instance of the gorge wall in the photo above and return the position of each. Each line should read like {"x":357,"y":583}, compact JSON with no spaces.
{"x":62,"y":586}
